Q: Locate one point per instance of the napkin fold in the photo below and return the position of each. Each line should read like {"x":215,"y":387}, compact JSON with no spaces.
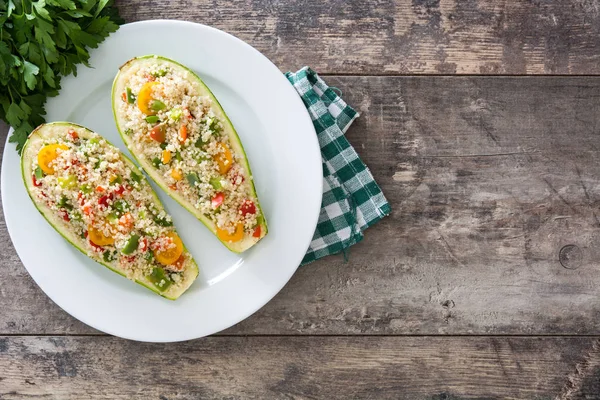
{"x":352,"y":200}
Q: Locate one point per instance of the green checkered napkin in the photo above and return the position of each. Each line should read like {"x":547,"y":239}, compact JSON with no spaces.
{"x":352,"y":200}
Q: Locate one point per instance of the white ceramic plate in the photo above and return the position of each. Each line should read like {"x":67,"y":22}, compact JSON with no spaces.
{"x":282,"y":147}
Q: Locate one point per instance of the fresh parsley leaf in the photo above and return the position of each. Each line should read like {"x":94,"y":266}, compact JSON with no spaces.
{"x":41,"y":41}
{"x":40,"y":9}
{"x":29,"y":72}
{"x":10,"y":8}
{"x":14,"y":114}
{"x":66,"y":4}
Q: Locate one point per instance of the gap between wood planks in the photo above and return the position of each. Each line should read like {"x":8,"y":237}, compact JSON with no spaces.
{"x":320,"y":335}
{"x":583,"y":370}
{"x":413,"y":75}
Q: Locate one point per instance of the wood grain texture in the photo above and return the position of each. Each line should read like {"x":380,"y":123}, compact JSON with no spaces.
{"x":294,"y":368}
{"x":489,"y":178}
{"x":402,"y":36}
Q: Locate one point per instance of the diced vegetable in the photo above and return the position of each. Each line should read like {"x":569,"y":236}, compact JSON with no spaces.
{"x":224,"y":158}
{"x":113,"y":218}
{"x":217,"y":200}
{"x":148,"y":256}
{"x":257,"y":231}
{"x":192,"y":178}
{"x":48,"y":154}
{"x":151,"y":119}
{"x":213,"y":125}
{"x":170,"y":255}
{"x":156,"y":162}
{"x":216,"y":183}
{"x":97,"y":237}
{"x":199,"y":143}
{"x":121,"y":206}
{"x":116,"y":180}
{"x":160,"y":279}
{"x":39,"y":174}
{"x":103,"y":201}
{"x":183,"y":133}
{"x":130,"y":96}
{"x":145,"y":96}
{"x":176,"y":174}
{"x":135,"y":177}
{"x":131,"y":245}
{"x":87,"y":189}
{"x":36,"y":183}
{"x":175,"y":114}
{"x":67,"y":182}
{"x":158,"y":133}
{"x":159,"y":73}
{"x":108,"y":256}
{"x":126,"y":222}
{"x":157,"y":105}
{"x":247,"y":207}
{"x":162,"y":221}
{"x":120,"y":190}
{"x":236,"y":236}
{"x":166,"y":156}
{"x":178,"y":156}
{"x":64,"y":203}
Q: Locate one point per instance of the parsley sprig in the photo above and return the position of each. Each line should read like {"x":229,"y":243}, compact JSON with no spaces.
{"x":40,"y":41}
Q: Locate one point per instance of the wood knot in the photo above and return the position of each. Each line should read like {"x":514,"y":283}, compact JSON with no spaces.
{"x":570,"y":256}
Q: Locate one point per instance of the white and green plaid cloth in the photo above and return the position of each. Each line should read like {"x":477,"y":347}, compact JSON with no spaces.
{"x":352,"y":200}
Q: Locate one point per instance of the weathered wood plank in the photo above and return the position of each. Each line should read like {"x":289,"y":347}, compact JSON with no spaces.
{"x":402,"y":36}
{"x":489,"y":178}
{"x":298,"y":368}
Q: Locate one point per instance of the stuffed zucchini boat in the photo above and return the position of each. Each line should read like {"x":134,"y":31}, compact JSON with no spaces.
{"x":99,"y":201}
{"x":178,"y":132}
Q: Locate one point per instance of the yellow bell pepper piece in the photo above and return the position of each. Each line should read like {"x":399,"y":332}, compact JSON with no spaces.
{"x":224,"y":159}
{"x":47,"y":154}
{"x":176,"y":174}
{"x":166,"y":156}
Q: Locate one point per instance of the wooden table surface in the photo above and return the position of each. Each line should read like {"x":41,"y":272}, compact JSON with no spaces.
{"x":480,"y":120}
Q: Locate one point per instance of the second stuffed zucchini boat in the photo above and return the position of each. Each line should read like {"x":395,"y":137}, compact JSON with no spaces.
{"x":176,"y":129}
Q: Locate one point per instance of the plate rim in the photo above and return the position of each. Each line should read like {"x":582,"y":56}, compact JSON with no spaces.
{"x":10,"y":221}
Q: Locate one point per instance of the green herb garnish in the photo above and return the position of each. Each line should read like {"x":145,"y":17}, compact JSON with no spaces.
{"x":130,"y":96}
{"x":42,"y":41}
